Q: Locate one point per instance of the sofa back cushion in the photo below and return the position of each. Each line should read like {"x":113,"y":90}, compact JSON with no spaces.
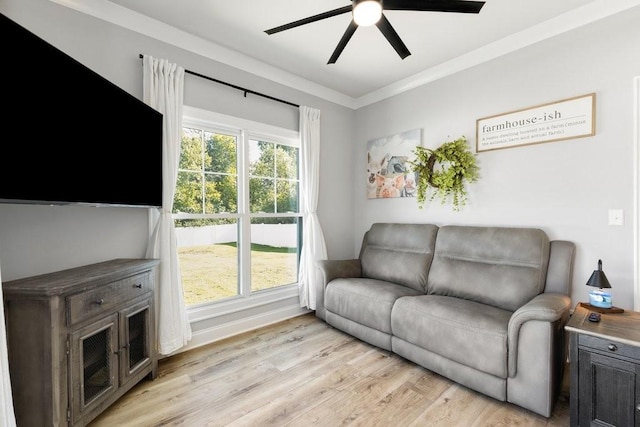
{"x":399,"y":253}
{"x":503,"y":267}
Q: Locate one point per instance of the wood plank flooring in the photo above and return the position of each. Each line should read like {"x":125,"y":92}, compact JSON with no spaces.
{"x":303,"y":372}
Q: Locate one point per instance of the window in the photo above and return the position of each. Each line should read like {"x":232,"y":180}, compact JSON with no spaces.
{"x":238,"y":226}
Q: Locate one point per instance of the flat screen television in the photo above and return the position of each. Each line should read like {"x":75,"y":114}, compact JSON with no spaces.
{"x":70,"y":136}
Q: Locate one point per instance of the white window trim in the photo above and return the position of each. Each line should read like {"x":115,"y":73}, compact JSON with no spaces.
{"x":254,"y":130}
{"x":235,"y":124}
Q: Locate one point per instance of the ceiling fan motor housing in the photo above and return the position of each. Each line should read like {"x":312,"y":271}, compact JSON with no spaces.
{"x":367,"y":12}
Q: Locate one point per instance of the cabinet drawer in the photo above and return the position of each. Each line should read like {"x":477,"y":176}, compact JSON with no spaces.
{"x":609,"y":346}
{"x":106,"y":298}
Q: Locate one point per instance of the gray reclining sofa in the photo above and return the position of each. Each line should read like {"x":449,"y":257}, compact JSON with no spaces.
{"x":482,"y":306}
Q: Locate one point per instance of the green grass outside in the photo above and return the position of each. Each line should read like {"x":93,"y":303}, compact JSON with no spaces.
{"x":210,"y":272}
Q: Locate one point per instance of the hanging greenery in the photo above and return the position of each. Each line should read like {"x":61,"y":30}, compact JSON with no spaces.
{"x":446,"y":170}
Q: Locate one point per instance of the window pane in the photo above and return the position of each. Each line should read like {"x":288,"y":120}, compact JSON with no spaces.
{"x":208,"y":255}
{"x":287,"y":192}
{"x":261,"y":159}
{"x":220,"y":153}
{"x":188,"y":197}
{"x":261,"y":195}
{"x":287,"y":162}
{"x":191,"y":150}
{"x":274,"y":252}
{"x":269,"y":163}
{"x":221,"y":193}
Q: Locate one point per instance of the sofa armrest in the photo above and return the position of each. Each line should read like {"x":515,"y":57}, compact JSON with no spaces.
{"x":546,"y":307}
{"x":333,"y":269}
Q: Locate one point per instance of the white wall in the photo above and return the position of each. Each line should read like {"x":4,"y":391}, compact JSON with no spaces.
{"x":41,"y":239}
{"x":566,"y":187}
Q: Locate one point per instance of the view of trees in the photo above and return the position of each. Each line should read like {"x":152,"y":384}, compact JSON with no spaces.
{"x":208,"y":176}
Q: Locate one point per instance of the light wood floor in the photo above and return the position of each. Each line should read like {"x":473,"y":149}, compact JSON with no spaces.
{"x":302,"y":372}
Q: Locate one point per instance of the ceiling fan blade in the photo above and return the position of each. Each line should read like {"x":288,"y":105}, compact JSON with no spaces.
{"x":460,"y":6}
{"x":385,"y":28}
{"x":343,"y":42}
{"x":310,"y":19}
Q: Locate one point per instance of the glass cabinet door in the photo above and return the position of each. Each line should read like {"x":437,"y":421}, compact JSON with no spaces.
{"x":136,"y":340}
{"x":93,"y":364}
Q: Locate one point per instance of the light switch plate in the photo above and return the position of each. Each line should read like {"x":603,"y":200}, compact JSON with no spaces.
{"x":616,"y":217}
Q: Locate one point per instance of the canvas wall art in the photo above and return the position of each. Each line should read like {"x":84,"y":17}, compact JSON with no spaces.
{"x":389,"y":172}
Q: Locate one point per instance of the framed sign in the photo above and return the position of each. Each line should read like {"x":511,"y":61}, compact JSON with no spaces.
{"x":555,"y":121}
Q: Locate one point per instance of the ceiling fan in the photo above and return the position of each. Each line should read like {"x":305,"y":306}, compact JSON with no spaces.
{"x":370,"y":12}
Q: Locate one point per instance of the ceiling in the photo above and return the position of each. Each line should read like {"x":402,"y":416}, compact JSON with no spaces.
{"x":232,"y":31}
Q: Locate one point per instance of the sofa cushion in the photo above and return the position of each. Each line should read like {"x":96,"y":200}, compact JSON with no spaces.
{"x":365,"y":301}
{"x":467,"y":332}
{"x":503,"y":267}
{"x":399,"y":253}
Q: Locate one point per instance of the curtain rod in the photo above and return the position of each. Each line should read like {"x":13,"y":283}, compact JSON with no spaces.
{"x":245,"y":90}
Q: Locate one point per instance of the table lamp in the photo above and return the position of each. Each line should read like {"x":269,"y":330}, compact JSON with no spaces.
{"x":599,"y":299}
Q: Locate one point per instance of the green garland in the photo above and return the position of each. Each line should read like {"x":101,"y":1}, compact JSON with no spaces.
{"x":457,"y":166}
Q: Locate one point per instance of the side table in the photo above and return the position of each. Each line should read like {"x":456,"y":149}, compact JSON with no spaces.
{"x":604,"y":361}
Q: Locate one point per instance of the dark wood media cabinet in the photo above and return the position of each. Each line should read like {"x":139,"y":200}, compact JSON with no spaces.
{"x":78,"y":339}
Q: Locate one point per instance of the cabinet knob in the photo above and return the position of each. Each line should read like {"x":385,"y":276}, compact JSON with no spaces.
{"x":99,"y":301}
{"x":612,"y":347}
{"x":138,"y":285}
{"x":638,"y":408}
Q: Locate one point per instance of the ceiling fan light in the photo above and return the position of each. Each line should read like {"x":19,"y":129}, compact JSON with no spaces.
{"x":367,"y":12}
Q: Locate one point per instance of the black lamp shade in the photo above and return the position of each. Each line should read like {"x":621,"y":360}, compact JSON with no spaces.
{"x":598,"y":278}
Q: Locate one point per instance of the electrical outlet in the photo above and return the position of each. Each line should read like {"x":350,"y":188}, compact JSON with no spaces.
{"x":616,"y":217}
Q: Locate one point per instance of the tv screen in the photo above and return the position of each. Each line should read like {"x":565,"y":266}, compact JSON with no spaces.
{"x":70,"y":136}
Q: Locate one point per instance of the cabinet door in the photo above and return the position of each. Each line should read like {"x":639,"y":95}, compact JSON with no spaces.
{"x":93,"y":365}
{"x":608,"y":390}
{"x":135,"y":342}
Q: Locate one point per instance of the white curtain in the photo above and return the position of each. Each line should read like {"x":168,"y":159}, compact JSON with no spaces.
{"x":163,"y":89}
{"x":7,"y":416}
{"x":313,"y":244}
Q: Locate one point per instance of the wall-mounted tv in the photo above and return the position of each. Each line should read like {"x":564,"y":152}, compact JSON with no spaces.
{"x":70,"y":136}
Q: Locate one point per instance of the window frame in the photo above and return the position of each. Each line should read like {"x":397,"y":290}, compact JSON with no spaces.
{"x":245,"y":130}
